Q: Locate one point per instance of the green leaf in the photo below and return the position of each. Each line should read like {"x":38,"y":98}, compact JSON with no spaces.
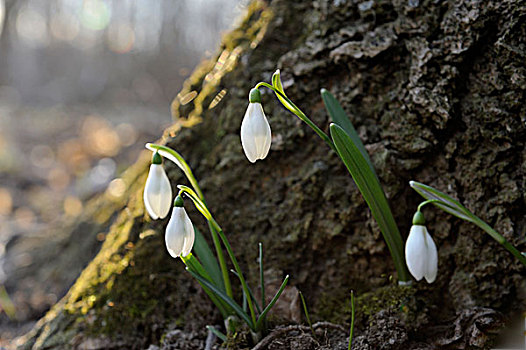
{"x":304,"y":303}
{"x":351,"y":332}
{"x":194,"y":267}
{"x":261,"y":276}
{"x":446,"y":203}
{"x":208,"y":259}
{"x":452,"y":206}
{"x":341,"y":118}
{"x":263,"y":315}
{"x":372,"y":192}
{"x":220,"y":335}
{"x":249,"y":292}
{"x":224,"y":297}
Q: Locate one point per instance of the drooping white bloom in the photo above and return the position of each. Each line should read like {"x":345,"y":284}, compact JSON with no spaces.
{"x":421,"y":254}
{"x":180,"y":234}
{"x":157,"y":191}
{"x":255,"y":130}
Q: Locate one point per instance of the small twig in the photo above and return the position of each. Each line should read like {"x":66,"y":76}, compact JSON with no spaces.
{"x":329,"y":325}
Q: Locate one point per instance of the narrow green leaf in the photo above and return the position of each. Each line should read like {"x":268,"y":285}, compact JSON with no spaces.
{"x":372,"y":192}
{"x":341,"y":118}
{"x":208,"y":259}
{"x":452,"y":206}
{"x":263,"y":315}
{"x":261,"y":276}
{"x":249,"y":292}
{"x":226,"y":298}
{"x":306,"y":311}
{"x":220,"y":335}
{"x":194,"y":266}
{"x":446,"y":203}
{"x":351,"y":332}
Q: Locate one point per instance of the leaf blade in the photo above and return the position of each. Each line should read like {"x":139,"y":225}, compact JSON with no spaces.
{"x":261,"y":318}
{"x":339,"y":117}
{"x":208,"y":259}
{"x":374,"y":196}
{"x":225,"y":298}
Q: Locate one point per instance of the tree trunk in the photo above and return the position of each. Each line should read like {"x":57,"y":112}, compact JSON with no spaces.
{"x":435,"y":91}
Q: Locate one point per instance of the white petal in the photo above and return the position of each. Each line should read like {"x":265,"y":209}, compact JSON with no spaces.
{"x":176,"y":232}
{"x":247,"y":139}
{"x":432,"y":259}
{"x":157,"y":192}
{"x":256,"y":136}
{"x":416,"y":252}
{"x":189,"y":236}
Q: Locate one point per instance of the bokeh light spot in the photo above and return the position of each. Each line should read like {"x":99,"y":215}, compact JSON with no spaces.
{"x":127,"y":134}
{"x":99,"y":137}
{"x":95,"y":14}
{"x":116,"y":188}
{"x":121,"y":37}
{"x":72,"y":206}
{"x":58,"y":179}
{"x":64,"y":27}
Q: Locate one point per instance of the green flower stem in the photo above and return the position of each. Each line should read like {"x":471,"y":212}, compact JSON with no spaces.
{"x":175,"y":157}
{"x":236,"y":267}
{"x":421,"y":205}
{"x":201,"y":206}
{"x":222,"y":262}
{"x":299,"y":114}
{"x":206,"y":213}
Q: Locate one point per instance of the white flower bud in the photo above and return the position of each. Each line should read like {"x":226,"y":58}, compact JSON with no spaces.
{"x":157,"y":192}
{"x":180,"y":234}
{"x":255,"y":133}
{"x":421,"y":254}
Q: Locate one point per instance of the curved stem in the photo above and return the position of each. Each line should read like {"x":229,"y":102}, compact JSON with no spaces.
{"x":300,"y":114}
{"x":201,"y":206}
{"x":175,"y":157}
{"x":421,"y":205}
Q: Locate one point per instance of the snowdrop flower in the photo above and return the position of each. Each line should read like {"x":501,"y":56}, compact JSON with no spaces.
{"x":157,"y":191}
{"x":180,"y":234}
{"x":255,"y":130}
{"x":420,"y":251}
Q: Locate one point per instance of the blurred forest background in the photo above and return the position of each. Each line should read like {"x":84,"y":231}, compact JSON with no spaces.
{"x":83,"y":84}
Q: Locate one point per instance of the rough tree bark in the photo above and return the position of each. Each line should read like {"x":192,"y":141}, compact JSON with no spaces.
{"x":435,"y":90}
